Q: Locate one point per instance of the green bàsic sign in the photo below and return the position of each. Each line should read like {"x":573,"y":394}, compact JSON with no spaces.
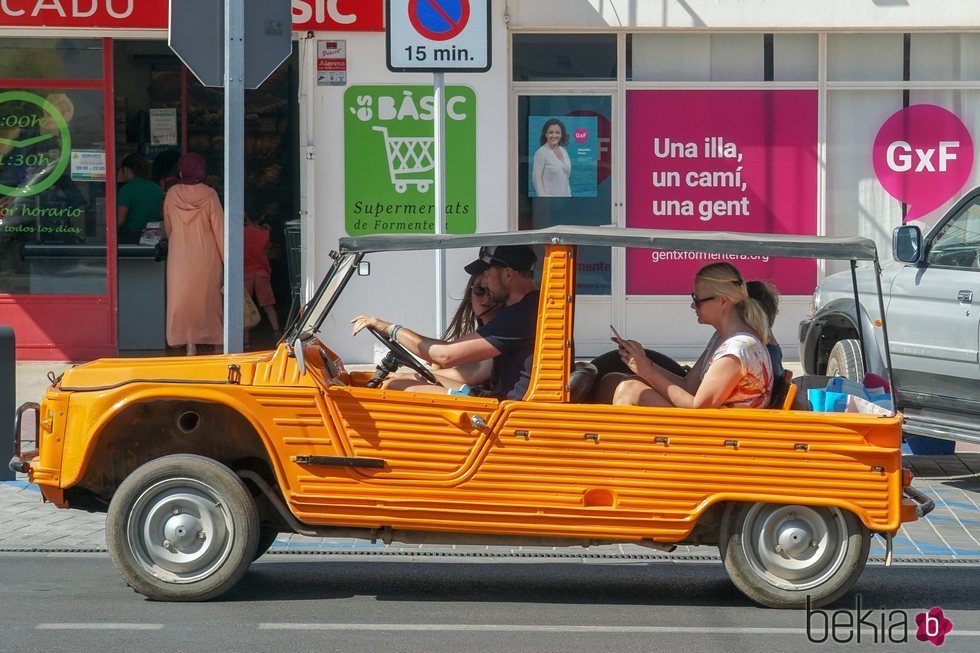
{"x":16,"y":122}
{"x":389,"y":152}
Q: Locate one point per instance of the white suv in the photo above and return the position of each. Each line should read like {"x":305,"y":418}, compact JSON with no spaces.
{"x":931,"y":295}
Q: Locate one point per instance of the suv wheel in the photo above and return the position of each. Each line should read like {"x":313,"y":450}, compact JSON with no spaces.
{"x":778,"y":555}
{"x":845,"y":360}
{"x":182,"y":528}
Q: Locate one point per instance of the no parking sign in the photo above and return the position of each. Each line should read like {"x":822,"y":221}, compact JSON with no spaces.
{"x":438,"y":35}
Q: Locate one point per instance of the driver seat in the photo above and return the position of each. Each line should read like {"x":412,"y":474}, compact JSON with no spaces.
{"x":580,"y":382}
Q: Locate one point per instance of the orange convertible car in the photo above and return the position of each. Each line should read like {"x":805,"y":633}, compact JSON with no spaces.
{"x":200,"y":462}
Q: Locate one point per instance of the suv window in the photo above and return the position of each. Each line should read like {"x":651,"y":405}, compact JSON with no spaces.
{"x":958,"y":243}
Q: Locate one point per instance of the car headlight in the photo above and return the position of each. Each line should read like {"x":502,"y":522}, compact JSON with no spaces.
{"x":814,"y":302}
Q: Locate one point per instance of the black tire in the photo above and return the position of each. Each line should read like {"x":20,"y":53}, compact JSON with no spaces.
{"x":845,"y":360}
{"x":778,"y":555}
{"x":182,"y":528}
{"x":267,"y":537}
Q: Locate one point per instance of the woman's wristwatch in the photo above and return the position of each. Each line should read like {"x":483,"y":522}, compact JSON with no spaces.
{"x":393,"y":333}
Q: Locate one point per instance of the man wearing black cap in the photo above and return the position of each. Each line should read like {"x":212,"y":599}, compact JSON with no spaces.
{"x":508,"y":274}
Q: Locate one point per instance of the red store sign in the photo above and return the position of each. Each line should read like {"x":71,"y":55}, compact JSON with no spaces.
{"x":316,"y":15}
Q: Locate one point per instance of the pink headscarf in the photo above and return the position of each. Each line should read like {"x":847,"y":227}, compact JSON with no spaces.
{"x":191,"y":168}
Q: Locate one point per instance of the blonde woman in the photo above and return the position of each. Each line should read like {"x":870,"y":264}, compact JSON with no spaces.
{"x":733,"y":371}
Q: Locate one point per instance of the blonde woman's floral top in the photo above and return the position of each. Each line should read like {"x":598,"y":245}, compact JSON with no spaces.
{"x":755,"y":387}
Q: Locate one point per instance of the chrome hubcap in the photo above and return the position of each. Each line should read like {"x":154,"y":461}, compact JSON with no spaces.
{"x":794,"y":547}
{"x":179,"y":530}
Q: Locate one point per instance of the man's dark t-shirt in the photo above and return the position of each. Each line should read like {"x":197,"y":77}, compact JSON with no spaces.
{"x":512,"y":332}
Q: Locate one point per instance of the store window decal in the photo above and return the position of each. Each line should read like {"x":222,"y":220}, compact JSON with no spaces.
{"x":923,"y":156}
{"x":52,"y":192}
{"x":389,"y":161}
{"x":720,"y":161}
{"x":573,"y":171}
{"x":564,"y":156}
{"x":34,"y":141}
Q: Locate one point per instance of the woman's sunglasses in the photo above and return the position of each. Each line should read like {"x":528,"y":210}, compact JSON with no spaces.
{"x":700,"y":300}
{"x":479,"y":291}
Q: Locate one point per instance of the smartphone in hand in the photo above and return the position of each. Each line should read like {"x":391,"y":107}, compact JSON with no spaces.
{"x":616,"y":335}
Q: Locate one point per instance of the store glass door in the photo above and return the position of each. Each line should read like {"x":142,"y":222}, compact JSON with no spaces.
{"x":54,"y":273}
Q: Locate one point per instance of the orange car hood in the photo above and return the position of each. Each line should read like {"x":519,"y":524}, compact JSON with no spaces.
{"x":108,"y":372}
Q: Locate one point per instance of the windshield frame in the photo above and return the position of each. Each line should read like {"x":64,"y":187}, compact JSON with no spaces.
{"x":315,"y":311}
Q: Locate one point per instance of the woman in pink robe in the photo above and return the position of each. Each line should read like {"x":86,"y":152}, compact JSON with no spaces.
{"x":195,"y":228}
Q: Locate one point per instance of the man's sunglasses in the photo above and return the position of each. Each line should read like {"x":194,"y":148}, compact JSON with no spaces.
{"x":479,"y":291}
{"x":700,"y":300}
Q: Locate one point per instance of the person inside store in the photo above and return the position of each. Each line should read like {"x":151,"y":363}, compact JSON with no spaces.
{"x":164,"y":169}
{"x":733,"y":371}
{"x":194,"y":221}
{"x":507,"y":340}
{"x":475,"y":309}
{"x":138,"y":201}
{"x":551,"y":167}
{"x":258,"y":270}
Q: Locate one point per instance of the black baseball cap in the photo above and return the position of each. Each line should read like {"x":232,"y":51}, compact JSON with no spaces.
{"x":518,"y":257}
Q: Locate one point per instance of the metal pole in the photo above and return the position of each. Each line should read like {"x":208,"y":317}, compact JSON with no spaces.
{"x":439,"y":188}
{"x":234,"y":174}
{"x":8,"y":393}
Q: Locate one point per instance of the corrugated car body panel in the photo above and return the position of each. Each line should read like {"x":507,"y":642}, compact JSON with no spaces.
{"x":597,"y":472}
{"x":553,"y":349}
{"x":420,"y":437}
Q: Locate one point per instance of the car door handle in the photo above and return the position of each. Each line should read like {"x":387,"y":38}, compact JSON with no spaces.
{"x":965,"y":296}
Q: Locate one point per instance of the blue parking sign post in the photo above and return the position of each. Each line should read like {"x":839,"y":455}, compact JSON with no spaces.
{"x":438,"y":36}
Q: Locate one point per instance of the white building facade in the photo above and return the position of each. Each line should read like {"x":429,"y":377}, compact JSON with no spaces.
{"x":704,"y":114}
{"x":832,"y":117}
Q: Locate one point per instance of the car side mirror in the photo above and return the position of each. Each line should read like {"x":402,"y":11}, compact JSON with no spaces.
{"x":300,"y":356}
{"x":364,"y":269}
{"x":907,"y":244}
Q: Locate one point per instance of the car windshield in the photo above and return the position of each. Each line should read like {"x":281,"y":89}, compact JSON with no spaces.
{"x":313,"y":314}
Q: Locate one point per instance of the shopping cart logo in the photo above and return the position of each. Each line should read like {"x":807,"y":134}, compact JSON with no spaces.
{"x":389,"y":159}
{"x":408,"y":158}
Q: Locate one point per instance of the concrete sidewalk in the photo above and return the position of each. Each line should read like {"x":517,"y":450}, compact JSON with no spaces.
{"x":951,"y":533}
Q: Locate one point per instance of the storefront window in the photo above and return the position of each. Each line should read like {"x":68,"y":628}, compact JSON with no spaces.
{"x":722,"y":57}
{"x":944,"y":57}
{"x":865,"y":57}
{"x":52,"y":192}
{"x":50,"y":58}
{"x":564,"y":149}
{"x":857,"y":203}
{"x":542,"y":57}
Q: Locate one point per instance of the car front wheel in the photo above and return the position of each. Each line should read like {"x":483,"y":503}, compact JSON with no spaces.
{"x":778,"y":555}
{"x":845,"y":360}
{"x":182,"y":528}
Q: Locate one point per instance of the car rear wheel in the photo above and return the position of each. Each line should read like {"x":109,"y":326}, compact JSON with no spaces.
{"x":182,"y":528}
{"x":778,"y":555}
{"x":845,"y":360}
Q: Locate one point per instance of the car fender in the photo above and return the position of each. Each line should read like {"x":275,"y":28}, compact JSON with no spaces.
{"x":90,"y":416}
{"x":840,"y":313}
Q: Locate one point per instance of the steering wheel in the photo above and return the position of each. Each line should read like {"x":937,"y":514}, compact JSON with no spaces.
{"x":404,"y":357}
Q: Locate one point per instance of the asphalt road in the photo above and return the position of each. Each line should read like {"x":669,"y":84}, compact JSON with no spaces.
{"x":292,"y":603}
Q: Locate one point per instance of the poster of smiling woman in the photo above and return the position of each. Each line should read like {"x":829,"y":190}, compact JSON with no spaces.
{"x":563,"y":153}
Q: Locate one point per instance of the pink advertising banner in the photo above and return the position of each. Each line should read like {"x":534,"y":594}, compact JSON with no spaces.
{"x":923,"y":156}
{"x":720,"y":161}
